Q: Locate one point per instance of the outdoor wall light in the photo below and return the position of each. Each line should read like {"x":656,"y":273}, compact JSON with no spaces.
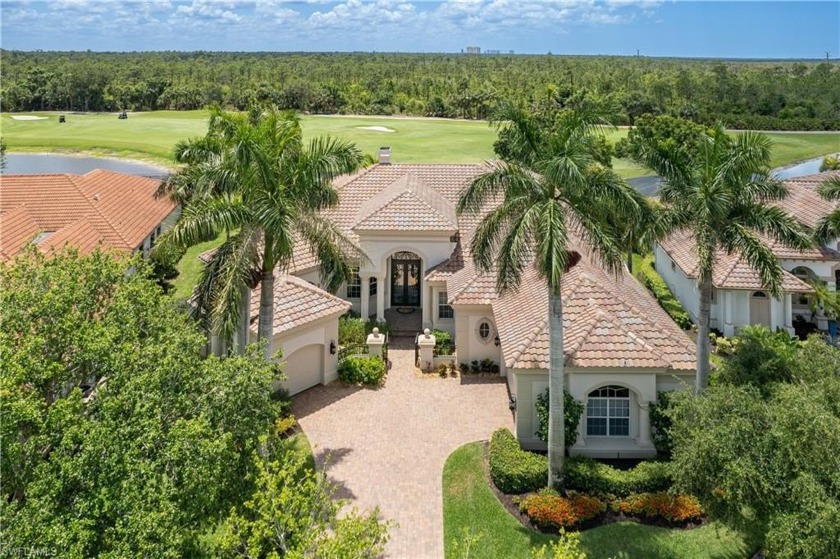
{"x":512,"y":403}
{"x":496,"y":341}
{"x":333,"y":348}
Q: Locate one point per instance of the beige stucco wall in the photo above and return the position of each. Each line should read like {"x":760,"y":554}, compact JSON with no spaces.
{"x":644,"y":384}
{"x":469,"y":344}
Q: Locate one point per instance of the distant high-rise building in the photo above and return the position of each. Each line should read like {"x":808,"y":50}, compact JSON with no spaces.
{"x":473,"y":50}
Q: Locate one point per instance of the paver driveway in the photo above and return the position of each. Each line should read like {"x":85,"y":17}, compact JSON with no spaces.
{"x":387,"y":447}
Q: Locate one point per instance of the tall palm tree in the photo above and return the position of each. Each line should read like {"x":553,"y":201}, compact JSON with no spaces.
{"x":254,"y":178}
{"x":550,"y":191}
{"x":828,"y":227}
{"x":721,"y":192}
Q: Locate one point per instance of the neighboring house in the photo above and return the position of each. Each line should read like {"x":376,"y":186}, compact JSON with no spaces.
{"x":739,"y":297}
{"x":621,"y":347}
{"x":100,"y":208}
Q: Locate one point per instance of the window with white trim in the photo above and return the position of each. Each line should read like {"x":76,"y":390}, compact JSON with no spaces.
{"x":608,"y":412}
{"x":372,"y":287}
{"x":354,"y":285}
{"x":444,"y":310}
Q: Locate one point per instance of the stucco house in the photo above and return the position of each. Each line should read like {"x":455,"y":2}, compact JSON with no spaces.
{"x":621,"y":348}
{"x":739,"y":297}
{"x":99,"y":208}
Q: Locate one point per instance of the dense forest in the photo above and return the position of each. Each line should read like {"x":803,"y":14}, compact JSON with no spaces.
{"x":766,"y":95}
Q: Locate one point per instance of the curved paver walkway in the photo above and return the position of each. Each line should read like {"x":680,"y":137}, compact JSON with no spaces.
{"x":387,"y":447}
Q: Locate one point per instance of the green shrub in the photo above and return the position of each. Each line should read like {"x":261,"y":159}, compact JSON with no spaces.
{"x":512,"y":469}
{"x":352,"y":330}
{"x":660,"y":423}
{"x":362,"y":369}
{"x":648,"y":276}
{"x":572,"y":410}
{"x":590,"y":476}
{"x":284,"y":401}
{"x":674,"y":509}
{"x":444,"y":343}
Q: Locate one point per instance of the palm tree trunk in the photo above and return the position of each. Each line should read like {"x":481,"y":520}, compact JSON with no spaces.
{"x":266,"y":321}
{"x":556,"y":381}
{"x":703,"y":329}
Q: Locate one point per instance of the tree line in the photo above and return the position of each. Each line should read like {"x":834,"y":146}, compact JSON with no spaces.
{"x":765,"y":95}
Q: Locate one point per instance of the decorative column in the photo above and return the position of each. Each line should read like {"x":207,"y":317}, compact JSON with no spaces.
{"x":788,"y":313}
{"x":365,"y":305}
{"x":375,"y":341}
{"x":644,"y":424}
{"x":728,"y":327}
{"x":380,"y":298}
{"x":427,"y":345}
{"x":427,"y":305}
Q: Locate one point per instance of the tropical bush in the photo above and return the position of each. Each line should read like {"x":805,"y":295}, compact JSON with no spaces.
{"x":657,"y":286}
{"x":353,"y":330}
{"x":362,"y":369}
{"x":551,"y":511}
{"x":512,"y":469}
{"x":444,"y":342}
{"x":572,"y":410}
{"x":674,"y":509}
{"x":589,"y":476}
{"x":660,"y":423}
{"x":567,"y":546}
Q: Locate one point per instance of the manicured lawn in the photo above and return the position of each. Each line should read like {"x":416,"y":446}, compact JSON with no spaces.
{"x":151,"y":136}
{"x":470,"y":505}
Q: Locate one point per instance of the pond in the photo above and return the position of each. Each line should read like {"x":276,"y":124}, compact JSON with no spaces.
{"x":649,"y":186}
{"x":41,"y":163}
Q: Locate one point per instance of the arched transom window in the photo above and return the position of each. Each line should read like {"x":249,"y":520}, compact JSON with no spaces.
{"x":608,"y":412}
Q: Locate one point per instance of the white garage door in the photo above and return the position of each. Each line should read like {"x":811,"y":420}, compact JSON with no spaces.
{"x":304,"y":368}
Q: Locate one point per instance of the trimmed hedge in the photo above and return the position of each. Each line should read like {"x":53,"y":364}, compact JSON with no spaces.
{"x":512,"y":469}
{"x":644,"y":272}
{"x":361,"y":369}
{"x":589,"y":476}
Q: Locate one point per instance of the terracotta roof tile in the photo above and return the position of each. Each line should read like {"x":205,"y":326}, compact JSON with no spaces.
{"x":82,"y":235}
{"x":607,"y":321}
{"x":731,"y":271}
{"x":17,"y":228}
{"x":296,"y":303}
{"x":122,"y":208}
{"x":408,"y":204}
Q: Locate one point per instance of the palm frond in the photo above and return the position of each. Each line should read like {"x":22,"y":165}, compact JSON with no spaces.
{"x":830,"y":189}
{"x":204,"y":219}
{"x":740,"y":240}
{"x":775,"y":223}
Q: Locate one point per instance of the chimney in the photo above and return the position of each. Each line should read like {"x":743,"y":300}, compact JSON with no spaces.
{"x":385,"y":155}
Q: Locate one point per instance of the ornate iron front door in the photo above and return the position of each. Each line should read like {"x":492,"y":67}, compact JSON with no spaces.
{"x":405,"y":283}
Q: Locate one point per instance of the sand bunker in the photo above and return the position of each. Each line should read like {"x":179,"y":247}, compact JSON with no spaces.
{"x":376,"y":128}
{"x":28,"y":117}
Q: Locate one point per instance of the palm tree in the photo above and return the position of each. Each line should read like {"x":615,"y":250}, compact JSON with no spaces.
{"x":552,"y":192}
{"x":721,"y":191}
{"x":255,"y":179}
{"x":828,"y":227}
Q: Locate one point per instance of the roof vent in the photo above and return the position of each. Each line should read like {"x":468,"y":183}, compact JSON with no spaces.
{"x":385,"y":155}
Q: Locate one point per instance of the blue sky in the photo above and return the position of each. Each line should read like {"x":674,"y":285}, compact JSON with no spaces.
{"x":657,"y":28}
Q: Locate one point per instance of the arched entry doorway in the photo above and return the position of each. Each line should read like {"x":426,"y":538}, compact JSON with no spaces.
{"x":405,"y":279}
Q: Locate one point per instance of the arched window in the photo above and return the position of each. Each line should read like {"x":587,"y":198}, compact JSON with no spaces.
{"x":759,"y":295}
{"x":484,"y":330}
{"x":608,"y":412}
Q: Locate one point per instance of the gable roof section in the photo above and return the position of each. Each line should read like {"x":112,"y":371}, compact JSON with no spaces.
{"x":117,"y":209}
{"x":17,"y":228}
{"x":297,"y":303}
{"x":407,"y":204}
{"x":607,"y":321}
{"x":804,"y":202}
{"x":81,"y":234}
{"x":731,"y":271}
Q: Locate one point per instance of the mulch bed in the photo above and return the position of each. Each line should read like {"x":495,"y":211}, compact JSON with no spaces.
{"x":510,"y":502}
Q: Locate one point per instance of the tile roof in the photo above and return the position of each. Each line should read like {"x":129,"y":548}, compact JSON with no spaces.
{"x":731,"y":271}
{"x":296,"y":303}
{"x":17,"y":228}
{"x":408,"y":204}
{"x":445,"y":182}
{"x":121,"y":209}
{"x":608,"y":321}
{"x":803,"y":201}
{"x":81,"y":234}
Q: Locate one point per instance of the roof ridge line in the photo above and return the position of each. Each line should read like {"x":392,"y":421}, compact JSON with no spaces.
{"x":529,"y":340}
{"x":98,"y":211}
